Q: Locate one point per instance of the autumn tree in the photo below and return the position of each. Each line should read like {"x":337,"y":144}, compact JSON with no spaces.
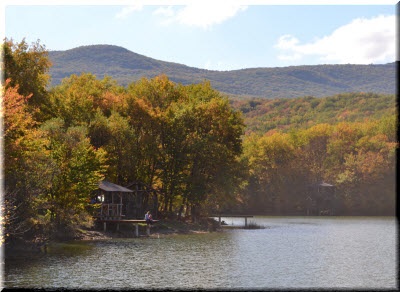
{"x":74,"y":169}
{"x":313,"y":144}
{"x":22,"y":161}
{"x":78,"y":98}
{"x":366,"y":178}
{"x":26,"y":67}
{"x":215,"y":145}
{"x":276,"y":178}
{"x":187,"y":134}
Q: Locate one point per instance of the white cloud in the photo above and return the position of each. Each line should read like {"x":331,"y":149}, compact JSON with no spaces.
{"x":168,"y":13}
{"x":206,"y":16}
{"x":287,"y":42}
{"x":128,"y":10}
{"x":363,"y":41}
{"x":201,"y":14}
{"x":165,"y":11}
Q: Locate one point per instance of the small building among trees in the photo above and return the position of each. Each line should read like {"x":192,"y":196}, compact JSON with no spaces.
{"x":321,"y":199}
{"x":117,"y":202}
{"x":113,"y":200}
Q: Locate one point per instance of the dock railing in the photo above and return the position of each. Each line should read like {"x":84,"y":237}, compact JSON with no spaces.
{"x":112,"y":211}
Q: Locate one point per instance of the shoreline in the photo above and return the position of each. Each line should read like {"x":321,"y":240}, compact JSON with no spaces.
{"x":89,"y":235}
{"x":161,"y":229}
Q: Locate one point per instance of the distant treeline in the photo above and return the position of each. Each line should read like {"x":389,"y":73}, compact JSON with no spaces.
{"x":187,"y":141}
{"x":358,"y":158}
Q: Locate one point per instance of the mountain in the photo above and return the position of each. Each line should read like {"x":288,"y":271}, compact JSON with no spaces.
{"x":318,"y":80}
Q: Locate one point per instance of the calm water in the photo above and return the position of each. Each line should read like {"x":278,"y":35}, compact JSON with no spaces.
{"x":291,"y":252}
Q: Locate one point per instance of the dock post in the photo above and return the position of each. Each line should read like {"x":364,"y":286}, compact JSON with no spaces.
{"x":245,"y":221}
{"x":105,"y":226}
{"x":219,"y":221}
{"x":117,"y":226}
{"x":148,"y":230}
{"x":137,"y":229}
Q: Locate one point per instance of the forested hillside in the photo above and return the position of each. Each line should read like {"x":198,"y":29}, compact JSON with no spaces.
{"x":188,"y":142}
{"x":287,"y":82}
{"x":284,"y":114}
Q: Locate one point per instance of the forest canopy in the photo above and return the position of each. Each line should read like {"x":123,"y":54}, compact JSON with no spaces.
{"x":203,"y":152}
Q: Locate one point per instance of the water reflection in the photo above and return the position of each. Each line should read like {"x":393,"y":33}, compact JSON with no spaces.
{"x":289,"y":253}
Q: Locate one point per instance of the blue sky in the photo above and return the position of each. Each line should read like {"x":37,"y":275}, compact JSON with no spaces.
{"x":215,"y":35}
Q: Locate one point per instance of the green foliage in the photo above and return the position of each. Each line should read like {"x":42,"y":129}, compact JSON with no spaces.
{"x":74,"y":169}
{"x":26,"y":66}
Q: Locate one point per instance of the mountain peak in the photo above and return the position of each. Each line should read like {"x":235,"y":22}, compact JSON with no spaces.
{"x":313,"y":80}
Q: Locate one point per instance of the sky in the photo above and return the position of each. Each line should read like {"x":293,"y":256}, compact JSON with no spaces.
{"x":214,"y":35}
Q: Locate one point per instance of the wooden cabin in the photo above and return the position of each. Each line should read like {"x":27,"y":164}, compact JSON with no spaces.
{"x":130,"y":202}
{"x":113,"y":199}
{"x":120,"y":204}
{"x":321,"y":199}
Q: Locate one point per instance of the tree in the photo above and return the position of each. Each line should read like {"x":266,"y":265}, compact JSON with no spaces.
{"x":215,"y":146}
{"x":78,"y":98}
{"x":24,"y":158}
{"x":366,"y":179}
{"x":121,"y":152}
{"x":26,"y":66}
{"x":275,"y":182}
{"x":313,"y":151}
{"x":188,"y":138}
{"x":74,"y":169}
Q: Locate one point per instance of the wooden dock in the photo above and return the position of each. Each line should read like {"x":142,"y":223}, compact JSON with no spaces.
{"x":232,"y":216}
{"x":132,"y":221}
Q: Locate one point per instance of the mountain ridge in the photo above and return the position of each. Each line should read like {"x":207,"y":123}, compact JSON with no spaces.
{"x":266,"y":82}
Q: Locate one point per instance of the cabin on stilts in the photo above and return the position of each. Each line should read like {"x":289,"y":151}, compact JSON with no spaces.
{"x":113,"y":200}
{"x":118,"y":204}
{"x":321,"y":199}
{"x":129,"y":202}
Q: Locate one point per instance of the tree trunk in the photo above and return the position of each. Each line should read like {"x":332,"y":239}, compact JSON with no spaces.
{"x":170,"y":205}
{"x":155,"y":198}
{"x":165,"y":203}
{"x":181,"y":208}
{"x":193,"y":212}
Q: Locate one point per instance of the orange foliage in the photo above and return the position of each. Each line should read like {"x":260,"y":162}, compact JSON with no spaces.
{"x":16,"y":118}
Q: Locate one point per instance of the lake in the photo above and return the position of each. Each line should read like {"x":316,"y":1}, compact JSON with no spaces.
{"x":290,"y":252}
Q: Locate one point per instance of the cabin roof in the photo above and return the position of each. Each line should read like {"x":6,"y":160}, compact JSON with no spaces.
{"x":325,"y":185}
{"x":110,"y":187}
{"x":321,"y":184}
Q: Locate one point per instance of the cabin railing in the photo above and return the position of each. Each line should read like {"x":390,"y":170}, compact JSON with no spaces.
{"x":111,"y":211}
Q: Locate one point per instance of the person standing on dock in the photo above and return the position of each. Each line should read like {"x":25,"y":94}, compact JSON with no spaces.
{"x":148,"y":218}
